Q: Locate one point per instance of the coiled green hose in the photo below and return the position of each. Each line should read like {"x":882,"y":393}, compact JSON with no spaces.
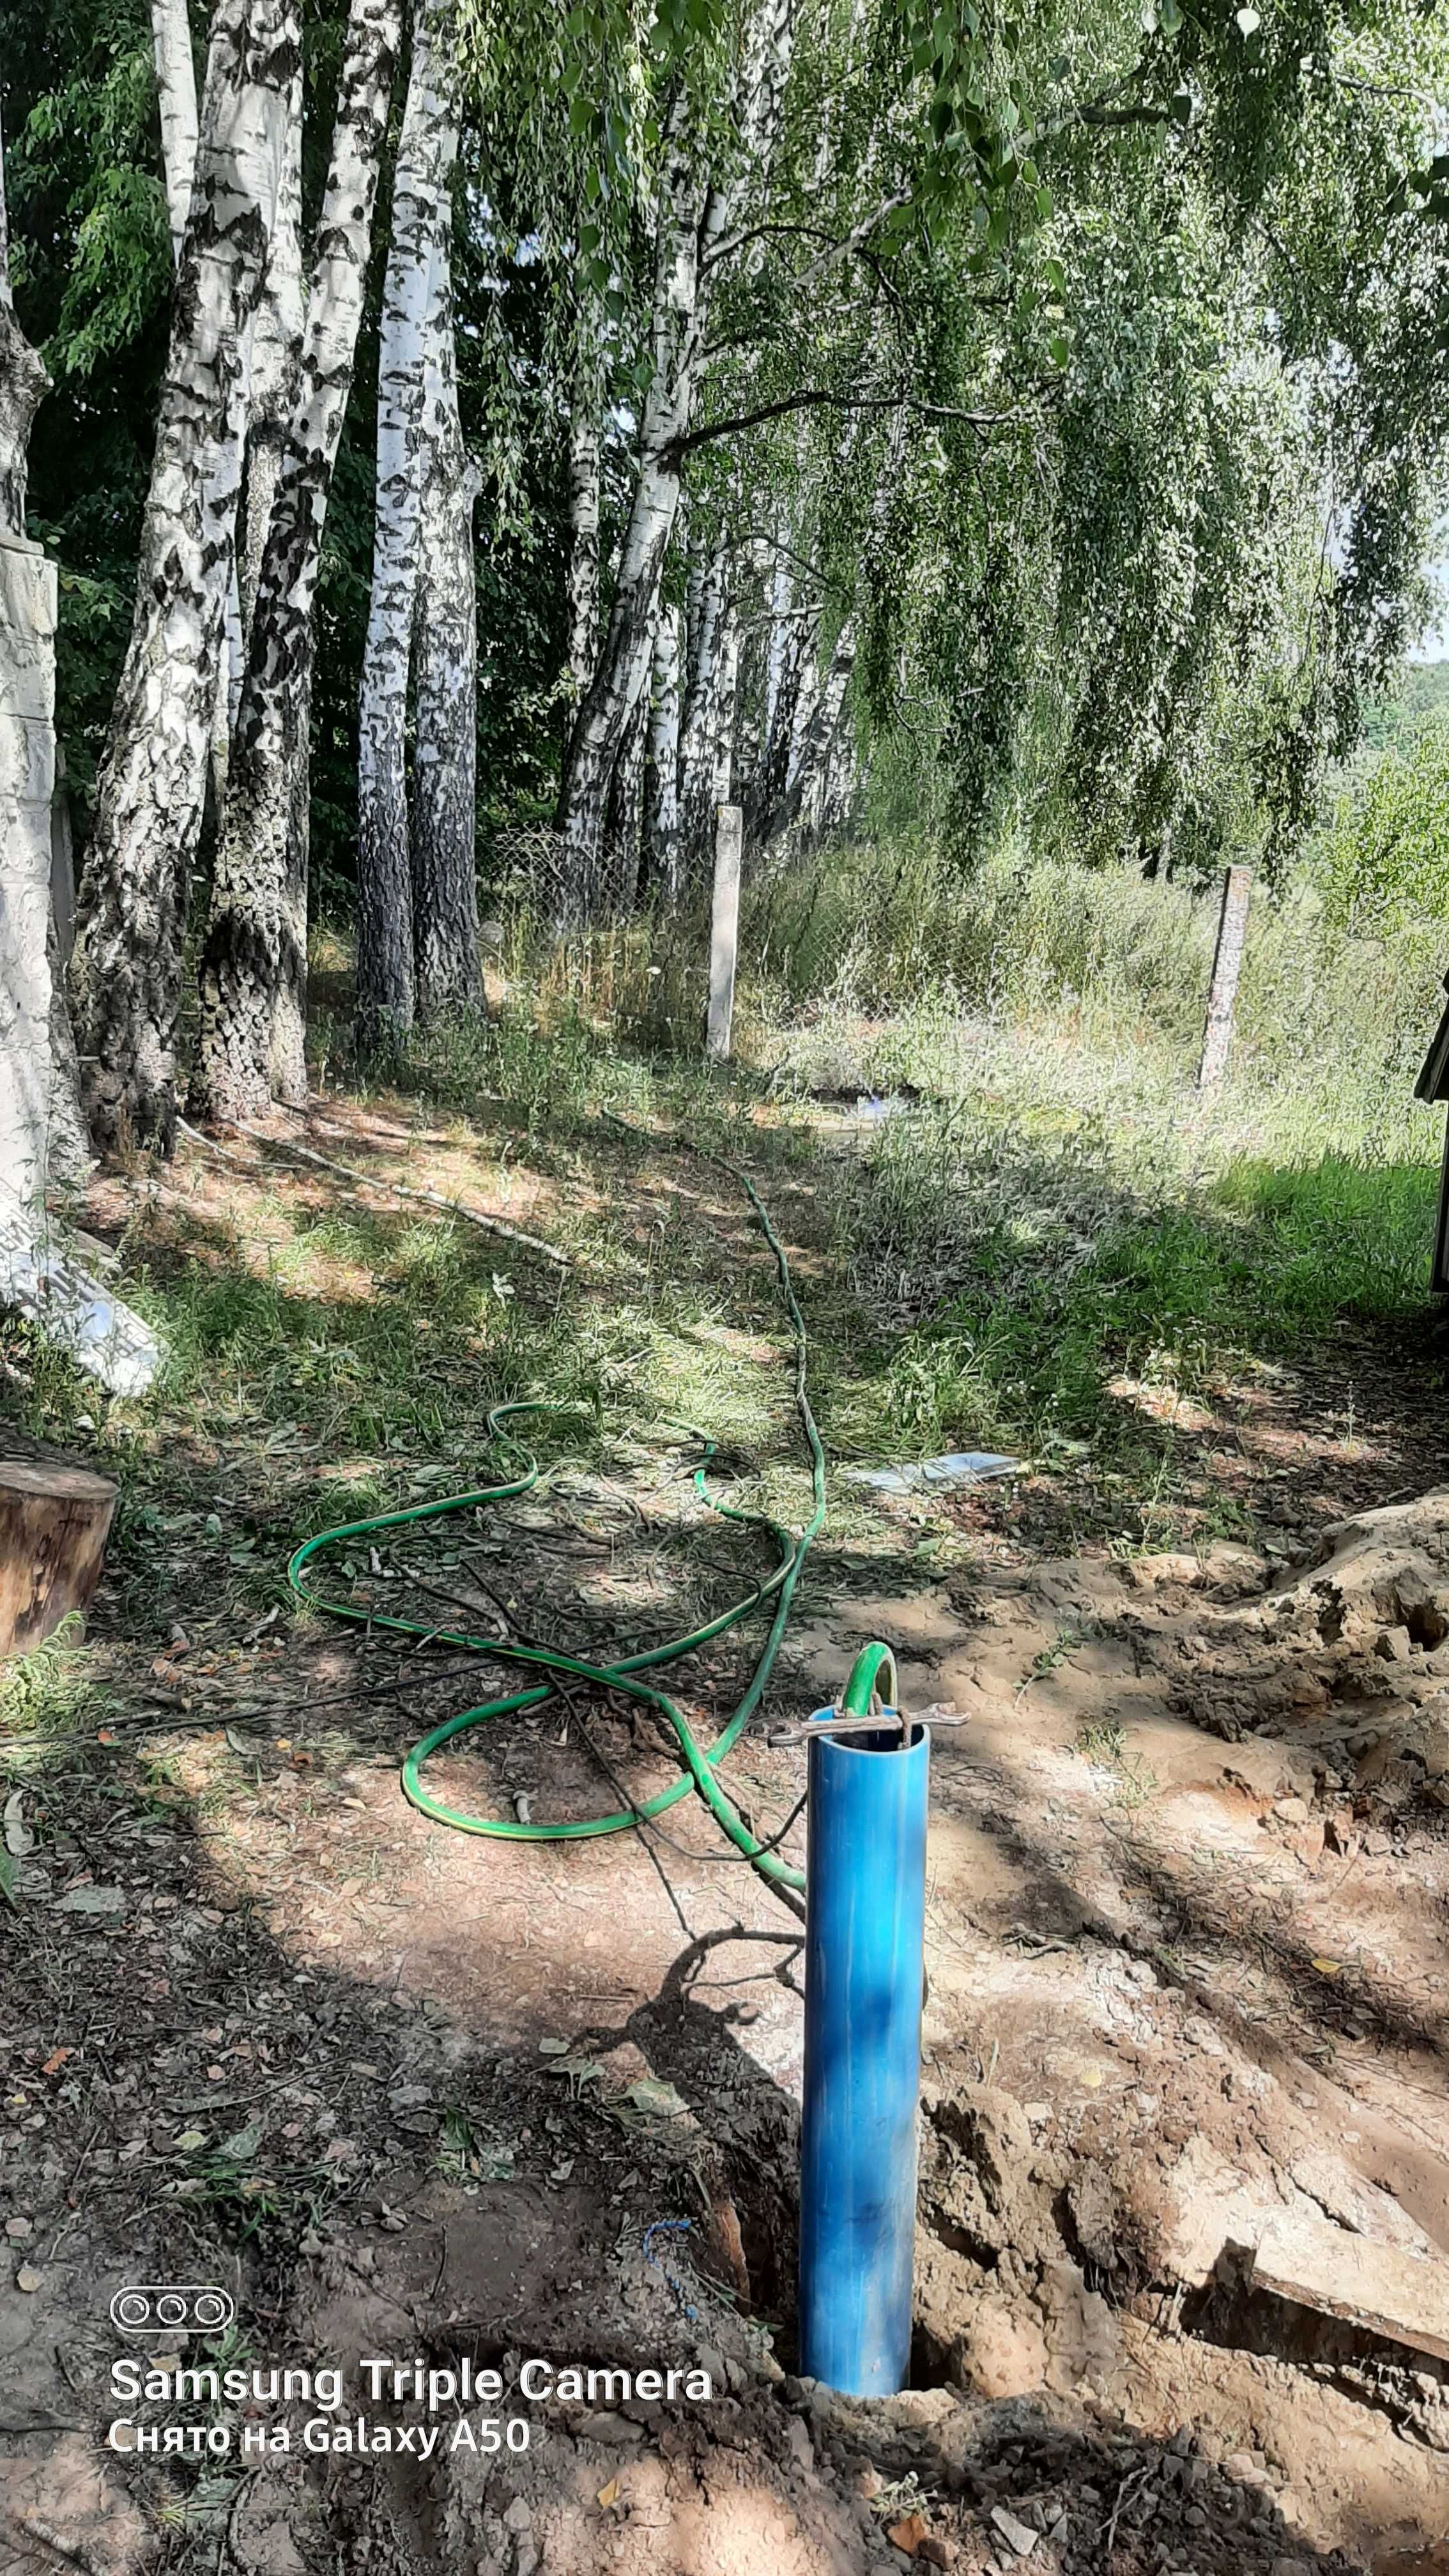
{"x":701,"y":1764}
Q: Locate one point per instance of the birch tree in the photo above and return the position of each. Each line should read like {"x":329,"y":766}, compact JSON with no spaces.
{"x":254,"y":964}
{"x":661,"y":769}
{"x":698,"y":207}
{"x":583,"y":497}
{"x":176,"y":96}
{"x":27,"y":771}
{"x":699,"y":720}
{"x":445,"y":711}
{"x":426,"y":152}
{"x":131,"y":914}
{"x":274,"y":358}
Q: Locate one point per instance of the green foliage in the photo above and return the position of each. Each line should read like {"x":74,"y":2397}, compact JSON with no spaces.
{"x":1385,"y":857}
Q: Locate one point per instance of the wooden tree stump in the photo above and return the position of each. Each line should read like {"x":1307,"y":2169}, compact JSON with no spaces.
{"x":55,"y":1519}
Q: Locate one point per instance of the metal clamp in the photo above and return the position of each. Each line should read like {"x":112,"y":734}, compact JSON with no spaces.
{"x":839,"y":1721}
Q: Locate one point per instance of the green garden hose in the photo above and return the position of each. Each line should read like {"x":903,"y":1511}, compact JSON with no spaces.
{"x":701,"y":1764}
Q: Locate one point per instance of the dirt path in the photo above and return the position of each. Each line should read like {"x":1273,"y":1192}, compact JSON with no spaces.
{"x":403,"y":2091}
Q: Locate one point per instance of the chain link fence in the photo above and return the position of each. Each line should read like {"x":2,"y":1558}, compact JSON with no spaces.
{"x":532,"y":872}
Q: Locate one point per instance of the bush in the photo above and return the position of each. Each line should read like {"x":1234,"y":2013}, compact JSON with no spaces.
{"x":1385,"y":859}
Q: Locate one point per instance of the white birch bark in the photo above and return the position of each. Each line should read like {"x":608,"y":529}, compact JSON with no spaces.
{"x":445,"y":709}
{"x":699,"y":720}
{"x":782,"y":623}
{"x":583,"y":480}
{"x":150,"y":788}
{"x":624,"y":830}
{"x":817,"y":736}
{"x":696,"y":212}
{"x":176,"y":98}
{"x":661,"y":774}
{"x":274,"y":375}
{"x":723,"y":775}
{"x":27,"y":775}
{"x":386,"y":995}
{"x":254,"y":964}
{"x":176,"y":92}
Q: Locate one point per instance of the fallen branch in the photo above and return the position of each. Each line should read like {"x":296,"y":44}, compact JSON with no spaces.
{"x":375,"y":1181}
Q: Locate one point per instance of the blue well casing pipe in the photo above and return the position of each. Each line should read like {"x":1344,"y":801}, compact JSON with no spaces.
{"x":865,"y":1925}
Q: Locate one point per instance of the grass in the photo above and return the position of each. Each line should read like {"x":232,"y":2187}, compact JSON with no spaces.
{"x":1059,"y":1216}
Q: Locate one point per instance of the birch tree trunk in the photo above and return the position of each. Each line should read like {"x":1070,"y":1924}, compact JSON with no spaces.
{"x":699,"y":722}
{"x":385,"y":998}
{"x":445,"y":711}
{"x":785,"y":728}
{"x":726,"y":694}
{"x":583,"y":580}
{"x":624,"y":829}
{"x":808,"y":769}
{"x":27,"y":772}
{"x":660,"y":862}
{"x":176,"y":92}
{"x":696,"y":212}
{"x":274,"y":375}
{"x":151,"y":784}
{"x":176,"y":99}
{"x":254,"y":964}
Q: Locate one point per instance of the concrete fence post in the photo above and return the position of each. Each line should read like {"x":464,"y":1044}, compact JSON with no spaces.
{"x":729,"y":838}
{"x":1227,"y":965}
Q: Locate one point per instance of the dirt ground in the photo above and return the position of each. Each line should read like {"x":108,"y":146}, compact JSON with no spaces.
{"x":406,"y":2093}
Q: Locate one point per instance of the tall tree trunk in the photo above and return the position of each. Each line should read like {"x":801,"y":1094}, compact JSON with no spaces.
{"x":176,"y":98}
{"x":385,"y":963}
{"x":699,"y":723}
{"x":817,"y":737}
{"x":583,"y":580}
{"x":626,"y":812}
{"x":151,"y":783}
{"x":696,"y":212}
{"x":660,"y":865}
{"x":274,"y":376}
{"x":176,"y":91}
{"x":722,"y":777}
{"x":27,"y":772}
{"x":797,"y":640}
{"x":445,"y":709}
{"x":254,"y":964}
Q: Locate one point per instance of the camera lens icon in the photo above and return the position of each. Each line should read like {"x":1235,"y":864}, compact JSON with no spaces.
{"x":172,"y":2307}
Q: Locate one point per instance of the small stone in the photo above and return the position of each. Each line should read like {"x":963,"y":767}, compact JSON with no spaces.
{"x":526,"y":2560}
{"x":17,"y":2229}
{"x":1017,"y":2535}
{"x":1291,"y":1811}
{"x":1038,"y":2112}
{"x":936,"y":2551}
{"x":1291,"y":2567}
{"x":28,"y":2280}
{"x":1393,"y":1644}
{"x":606,"y":2427}
{"x":519,"y":2515}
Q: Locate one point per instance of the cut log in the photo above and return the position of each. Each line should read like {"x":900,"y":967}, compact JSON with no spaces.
{"x":55,"y":1519}
{"x":1378,"y":2287}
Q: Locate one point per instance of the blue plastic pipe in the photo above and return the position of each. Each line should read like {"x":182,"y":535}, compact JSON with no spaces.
{"x":865,"y":1925}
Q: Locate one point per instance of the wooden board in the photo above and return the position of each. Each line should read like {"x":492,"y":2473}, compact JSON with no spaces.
{"x":1369,"y":2284}
{"x":55,"y":1519}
